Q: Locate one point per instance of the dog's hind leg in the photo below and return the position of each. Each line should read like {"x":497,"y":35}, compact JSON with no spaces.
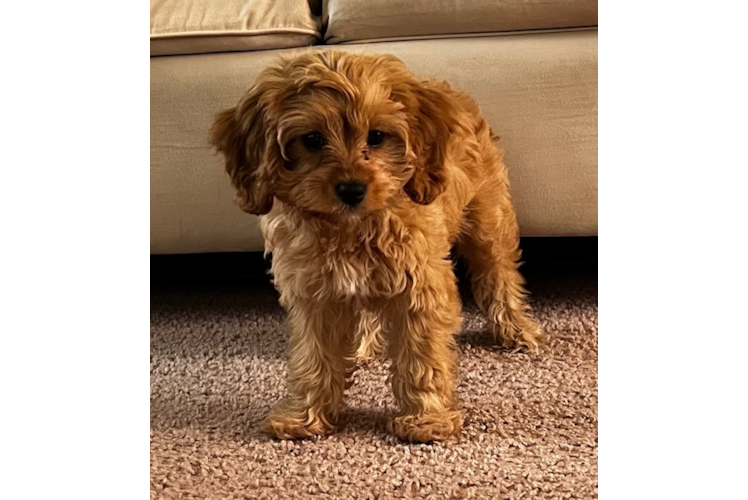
{"x":369,"y":341}
{"x":489,"y":244}
{"x":369,"y":338}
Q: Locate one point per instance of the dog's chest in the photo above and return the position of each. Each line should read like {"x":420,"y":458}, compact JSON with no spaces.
{"x":352,"y":274}
{"x":313,"y":264}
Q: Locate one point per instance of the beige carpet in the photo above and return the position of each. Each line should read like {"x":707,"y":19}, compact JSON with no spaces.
{"x":218,"y":364}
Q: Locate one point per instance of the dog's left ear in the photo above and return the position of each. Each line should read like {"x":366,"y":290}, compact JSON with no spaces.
{"x":433,"y":118}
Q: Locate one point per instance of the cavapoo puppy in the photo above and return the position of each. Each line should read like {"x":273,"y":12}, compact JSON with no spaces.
{"x":366,"y":177}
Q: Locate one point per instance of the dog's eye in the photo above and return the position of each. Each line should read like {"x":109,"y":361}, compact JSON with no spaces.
{"x":375,"y":138}
{"x":313,"y":141}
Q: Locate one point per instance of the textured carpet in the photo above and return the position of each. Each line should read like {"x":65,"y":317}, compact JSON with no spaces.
{"x":218,"y":357}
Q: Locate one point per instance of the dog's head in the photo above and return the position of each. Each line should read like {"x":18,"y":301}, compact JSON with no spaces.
{"x":332,"y":133}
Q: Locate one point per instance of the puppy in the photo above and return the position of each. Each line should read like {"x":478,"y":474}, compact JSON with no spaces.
{"x":366,"y":177}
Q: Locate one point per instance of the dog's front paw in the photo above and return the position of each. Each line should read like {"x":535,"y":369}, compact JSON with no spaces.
{"x":425,"y":428}
{"x":290,"y":420}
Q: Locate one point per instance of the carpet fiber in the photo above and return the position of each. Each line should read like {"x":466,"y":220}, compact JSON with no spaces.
{"x":218,"y":363}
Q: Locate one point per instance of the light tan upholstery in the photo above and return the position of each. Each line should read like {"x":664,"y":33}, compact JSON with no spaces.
{"x":539,"y":93}
{"x":364,"y":20}
{"x":200,"y":26}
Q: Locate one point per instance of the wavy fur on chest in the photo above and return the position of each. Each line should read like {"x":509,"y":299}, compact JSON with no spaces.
{"x":376,"y":256}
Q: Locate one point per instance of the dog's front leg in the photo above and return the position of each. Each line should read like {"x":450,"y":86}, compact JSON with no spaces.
{"x":322,"y":350}
{"x":420,"y":326}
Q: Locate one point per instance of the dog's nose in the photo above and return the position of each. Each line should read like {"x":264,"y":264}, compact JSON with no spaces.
{"x":351,"y":193}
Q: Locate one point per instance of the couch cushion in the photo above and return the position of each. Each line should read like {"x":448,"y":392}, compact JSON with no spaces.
{"x":538,"y":92}
{"x":200,"y":26}
{"x":368,"y":20}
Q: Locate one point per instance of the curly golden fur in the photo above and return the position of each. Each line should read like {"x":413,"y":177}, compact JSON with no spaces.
{"x":351,"y":263}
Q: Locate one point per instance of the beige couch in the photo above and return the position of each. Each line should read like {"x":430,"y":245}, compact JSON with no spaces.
{"x":531,"y":66}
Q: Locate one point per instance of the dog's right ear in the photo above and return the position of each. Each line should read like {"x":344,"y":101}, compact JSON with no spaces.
{"x":242,"y":135}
